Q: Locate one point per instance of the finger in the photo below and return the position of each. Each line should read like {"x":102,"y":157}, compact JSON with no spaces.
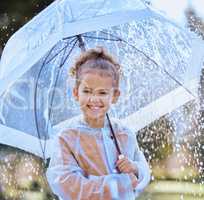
{"x":119,"y":162}
{"x":124,"y":169}
{"x":124,"y":164}
{"x":122,"y":160}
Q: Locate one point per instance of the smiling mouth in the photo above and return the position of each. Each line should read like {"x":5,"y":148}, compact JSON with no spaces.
{"x":94,"y":108}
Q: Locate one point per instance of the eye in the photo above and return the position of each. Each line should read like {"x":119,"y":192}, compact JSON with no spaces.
{"x":103,"y":93}
{"x":86,"y":91}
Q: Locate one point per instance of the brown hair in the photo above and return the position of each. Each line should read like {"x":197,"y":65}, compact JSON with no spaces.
{"x":96,"y":58}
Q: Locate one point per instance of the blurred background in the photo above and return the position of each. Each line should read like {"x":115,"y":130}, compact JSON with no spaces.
{"x":173,"y":145}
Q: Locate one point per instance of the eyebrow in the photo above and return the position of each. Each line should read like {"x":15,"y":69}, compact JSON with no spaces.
{"x":100,"y":89}
{"x":87,"y":88}
{"x":103,"y":89}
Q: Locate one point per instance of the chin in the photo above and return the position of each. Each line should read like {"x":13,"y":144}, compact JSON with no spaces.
{"x":96,"y":116}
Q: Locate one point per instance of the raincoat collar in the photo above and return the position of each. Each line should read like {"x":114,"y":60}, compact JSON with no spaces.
{"x":83,"y":123}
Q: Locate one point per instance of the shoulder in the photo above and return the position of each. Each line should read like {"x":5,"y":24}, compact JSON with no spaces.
{"x":121,"y":126}
{"x":66,"y":125}
{"x":123,"y":129}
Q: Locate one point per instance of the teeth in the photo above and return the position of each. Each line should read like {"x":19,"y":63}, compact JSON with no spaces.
{"x":94,"y":107}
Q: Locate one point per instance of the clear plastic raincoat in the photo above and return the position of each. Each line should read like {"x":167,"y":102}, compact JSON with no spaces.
{"x":83,"y":162}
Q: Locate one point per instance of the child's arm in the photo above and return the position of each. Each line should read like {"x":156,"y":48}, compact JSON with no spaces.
{"x":138,"y":167}
{"x":137,"y":164}
{"x":142,"y":168}
{"x":68,"y":180}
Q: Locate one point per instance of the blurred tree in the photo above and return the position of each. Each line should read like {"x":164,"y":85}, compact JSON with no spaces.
{"x":156,"y":140}
{"x":200,"y":139}
{"x":15,"y":13}
{"x":196,"y":24}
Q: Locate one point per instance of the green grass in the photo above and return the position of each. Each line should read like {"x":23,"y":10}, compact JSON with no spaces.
{"x":173,"y":190}
{"x":157,"y":190}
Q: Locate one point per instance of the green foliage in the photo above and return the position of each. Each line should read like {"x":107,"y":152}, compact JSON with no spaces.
{"x":156,"y":140}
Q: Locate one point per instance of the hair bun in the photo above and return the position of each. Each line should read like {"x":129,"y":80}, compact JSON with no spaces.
{"x":92,"y":55}
{"x":100,"y":51}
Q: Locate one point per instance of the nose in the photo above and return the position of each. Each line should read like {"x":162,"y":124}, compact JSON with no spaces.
{"x":94,"y":98}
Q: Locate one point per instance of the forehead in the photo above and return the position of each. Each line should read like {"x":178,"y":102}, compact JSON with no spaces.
{"x":96,"y":79}
{"x":101,"y":72}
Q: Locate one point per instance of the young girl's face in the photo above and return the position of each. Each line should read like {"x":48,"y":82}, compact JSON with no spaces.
{"x":95,"y":94}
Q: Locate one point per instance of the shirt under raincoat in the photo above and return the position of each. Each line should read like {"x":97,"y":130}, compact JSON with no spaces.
{"x":82,"y":166}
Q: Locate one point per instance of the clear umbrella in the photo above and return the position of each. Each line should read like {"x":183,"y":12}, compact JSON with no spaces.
{"x":160,"y":72}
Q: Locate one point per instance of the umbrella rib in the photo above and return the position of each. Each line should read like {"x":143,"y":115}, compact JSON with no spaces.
{"x":69,"y":53}
{"x":67,"y":38}
{"x":101,"y":38}
{"x":61,"y":50}
{"x":56,"y":80}
{"x":163,"y":69}
{"x":35,"y":104}
{"x":55,"y":83}
{"x":52,"y":98}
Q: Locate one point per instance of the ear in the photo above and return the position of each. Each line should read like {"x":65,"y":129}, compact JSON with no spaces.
{"x":75,"y":93}
{"x":116,"y":96}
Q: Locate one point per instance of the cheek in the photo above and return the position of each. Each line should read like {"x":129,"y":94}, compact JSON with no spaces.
{"x":107,"y":102}
{"x":83,"y":100}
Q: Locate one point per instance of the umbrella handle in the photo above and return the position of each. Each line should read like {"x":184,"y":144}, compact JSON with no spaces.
{"x":114,"y":137}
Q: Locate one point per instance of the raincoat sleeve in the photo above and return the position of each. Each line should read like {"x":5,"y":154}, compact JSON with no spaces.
{"x":142,"y":166}
{"x":69,"y":182}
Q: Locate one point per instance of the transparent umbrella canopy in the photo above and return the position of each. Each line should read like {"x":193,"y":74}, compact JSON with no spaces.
{"x":160,"y":67}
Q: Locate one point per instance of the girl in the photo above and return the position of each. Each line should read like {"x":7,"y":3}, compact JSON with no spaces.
{"x":86,"y":164}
